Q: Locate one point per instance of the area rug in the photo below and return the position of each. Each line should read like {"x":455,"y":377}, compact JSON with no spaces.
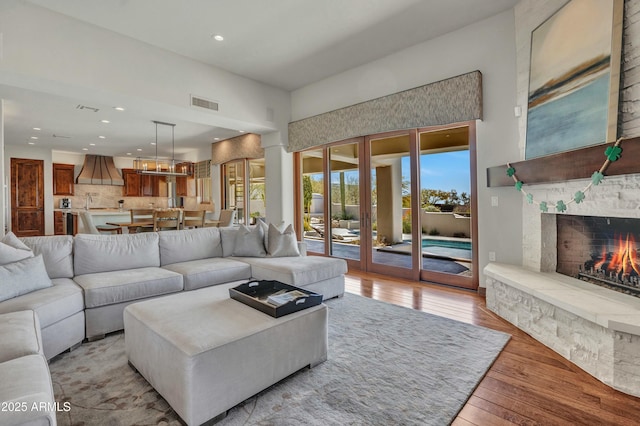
{"x":387,"y":365}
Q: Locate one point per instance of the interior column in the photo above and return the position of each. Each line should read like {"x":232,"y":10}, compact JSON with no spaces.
{"x":278,"y":179}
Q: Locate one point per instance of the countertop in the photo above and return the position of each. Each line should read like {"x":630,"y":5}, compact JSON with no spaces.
{"x":97,"y":211}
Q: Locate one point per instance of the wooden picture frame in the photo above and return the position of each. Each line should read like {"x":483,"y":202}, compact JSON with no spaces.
{"x":574,"y":78}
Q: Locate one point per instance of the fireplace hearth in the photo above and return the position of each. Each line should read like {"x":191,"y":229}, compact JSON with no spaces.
{"x":600,"y":250}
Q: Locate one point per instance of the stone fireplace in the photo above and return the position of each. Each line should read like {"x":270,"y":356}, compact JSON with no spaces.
{"x":594,"y":326}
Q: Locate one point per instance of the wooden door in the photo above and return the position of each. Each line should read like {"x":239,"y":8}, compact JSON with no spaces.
{"x":27,"y":197}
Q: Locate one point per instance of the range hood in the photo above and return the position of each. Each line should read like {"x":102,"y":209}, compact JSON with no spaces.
{"x":99,"y":170}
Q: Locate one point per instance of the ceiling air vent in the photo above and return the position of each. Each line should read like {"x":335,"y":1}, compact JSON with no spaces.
{"x":80,"y":106}
{"x":204,"y":103}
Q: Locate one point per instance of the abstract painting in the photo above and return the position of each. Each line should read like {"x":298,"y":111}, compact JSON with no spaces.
{"x":574,"y":78}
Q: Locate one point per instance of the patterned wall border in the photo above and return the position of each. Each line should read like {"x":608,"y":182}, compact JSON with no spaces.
{"x":243,"y":146}
{"x":448,"y":101}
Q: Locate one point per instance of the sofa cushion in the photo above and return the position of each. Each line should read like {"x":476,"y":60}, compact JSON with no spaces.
{"x":12,"y":249}
{"x":57,"y":252}
{"x":298,"y":271}
{"x":228,"y":240}
{"x":51,"y":304}
{"x":26,"y":382}
{"x":20,"y":335}
{"x":23,"y":277}
{"x":189,"y":244}
{"x":282,"y":242}
{"x":104,"y":253}
{"x":107,"y":288}
{"x":207,"y":272}
{"x":249,"y":242}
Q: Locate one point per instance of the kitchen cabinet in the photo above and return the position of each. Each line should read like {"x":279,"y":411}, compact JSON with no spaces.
{"x":140,"y":185}
{"x":63,"y":179}
{"x":184,"y":183}
{"x":58,"y":223}
{"x":65,"y":223}
{"x":132,"y":183}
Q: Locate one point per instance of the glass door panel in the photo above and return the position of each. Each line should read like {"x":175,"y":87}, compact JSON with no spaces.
{"x":344,"y":197}
{"x":313,"y":200}
{"x":445,"y":201}
{"x":257,"y":202}
{"x":390,"y":204}
{"x":234,"y":178}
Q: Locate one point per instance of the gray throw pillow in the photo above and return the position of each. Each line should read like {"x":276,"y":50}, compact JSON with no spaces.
{"x":282,"y":243}
{"x":13,"y":250}
{"x":23,"y":277}
{"x":249,"y":242}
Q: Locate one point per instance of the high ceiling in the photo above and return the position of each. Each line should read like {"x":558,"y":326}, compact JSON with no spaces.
{"x":284,"y":43}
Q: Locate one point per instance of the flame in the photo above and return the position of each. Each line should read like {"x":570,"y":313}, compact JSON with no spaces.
{"x":624,"y":259}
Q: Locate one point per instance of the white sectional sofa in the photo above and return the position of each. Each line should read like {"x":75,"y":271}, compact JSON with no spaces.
{"x":94,"y":277}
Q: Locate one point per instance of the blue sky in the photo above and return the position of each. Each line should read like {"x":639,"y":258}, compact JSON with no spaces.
{"x":444,"y":171}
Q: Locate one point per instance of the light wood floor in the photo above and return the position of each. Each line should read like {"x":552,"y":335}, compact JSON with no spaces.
{"x":529,"y":384}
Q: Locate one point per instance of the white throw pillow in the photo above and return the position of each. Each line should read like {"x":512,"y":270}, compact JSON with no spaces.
{"x":249,"y":242}
{"x":282,"y":243}
{"x":23,"y":277}
{"x":13,"y":250}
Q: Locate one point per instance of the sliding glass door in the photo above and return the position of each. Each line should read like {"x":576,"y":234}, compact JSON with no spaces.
{"x":399,"y":203}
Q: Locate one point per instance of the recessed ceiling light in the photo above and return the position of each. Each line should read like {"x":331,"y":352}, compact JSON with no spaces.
{"x":241,"y":131}
{"x":31,"y":143}
{"x":128,"y":153}
{"x":102,"y":137}
{"x":105,"y":121}
{"x":85,"y":149}
{"x":118,"y":108}
{"x":152,"y":143}
{"x":139,"y":149}
{"x":34,"y":137}
{"x":36,"y":128}
{"x":218,"y":37}
{"x":92,"y":144}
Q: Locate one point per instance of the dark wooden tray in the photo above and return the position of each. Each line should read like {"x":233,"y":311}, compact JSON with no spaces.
{"x":255,"y":294}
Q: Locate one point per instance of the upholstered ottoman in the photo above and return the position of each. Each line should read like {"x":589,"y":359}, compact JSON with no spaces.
{"x":205,"y":352}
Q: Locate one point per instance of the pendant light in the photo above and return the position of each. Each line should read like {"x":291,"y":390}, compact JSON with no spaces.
{"x":158,"y":167}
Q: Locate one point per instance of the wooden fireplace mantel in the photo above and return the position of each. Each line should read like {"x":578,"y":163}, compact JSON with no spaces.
{"x":577,"y":164}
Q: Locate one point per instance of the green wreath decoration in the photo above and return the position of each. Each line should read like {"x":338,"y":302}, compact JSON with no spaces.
{"x":612,"y":153}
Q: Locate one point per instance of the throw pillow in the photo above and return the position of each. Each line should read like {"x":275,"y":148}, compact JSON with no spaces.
{"x":13,"y":250}
{"x":249,"y":242}
{"x":282,"y":243}
{"x":23,"y":277}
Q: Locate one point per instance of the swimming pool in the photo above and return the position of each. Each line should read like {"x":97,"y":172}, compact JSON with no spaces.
{"x":463,"y":245}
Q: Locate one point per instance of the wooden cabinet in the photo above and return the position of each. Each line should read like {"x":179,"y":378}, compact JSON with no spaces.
{"x":184,"y":184}
{"x":139,"y":185}
{"x":132,"y":183}
{"x":63,"y":179}
{"x":58,"y":223}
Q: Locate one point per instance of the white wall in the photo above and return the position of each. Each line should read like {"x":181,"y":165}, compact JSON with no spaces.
{"x":488,"y":46}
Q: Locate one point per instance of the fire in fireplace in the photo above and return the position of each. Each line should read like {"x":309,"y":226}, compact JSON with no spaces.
{"x":600,"y":250}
